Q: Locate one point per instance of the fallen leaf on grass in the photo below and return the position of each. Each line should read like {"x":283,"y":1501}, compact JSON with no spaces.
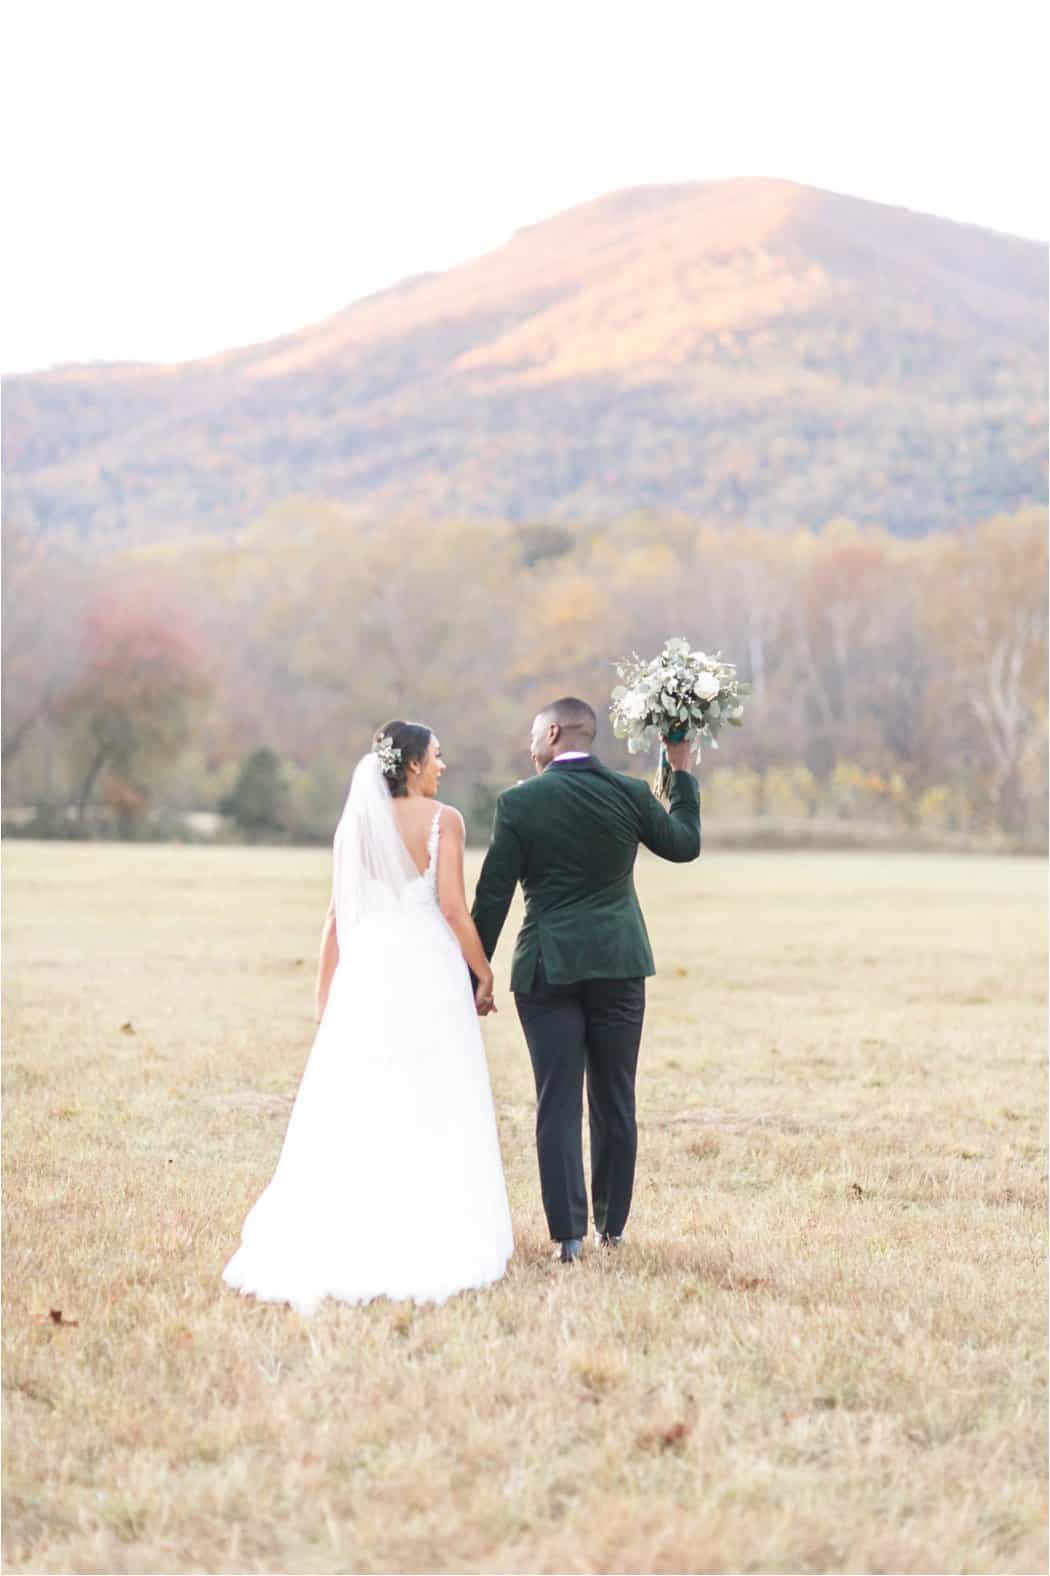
{"x":672,"y":1437}
{"x":57,"y":1317}
{"x":127,"y":1028}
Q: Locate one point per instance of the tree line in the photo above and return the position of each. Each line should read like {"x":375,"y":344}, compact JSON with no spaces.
{"x":898,"y":684}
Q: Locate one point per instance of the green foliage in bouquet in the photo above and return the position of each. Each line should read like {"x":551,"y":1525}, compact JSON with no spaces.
{"x":681,"y":695}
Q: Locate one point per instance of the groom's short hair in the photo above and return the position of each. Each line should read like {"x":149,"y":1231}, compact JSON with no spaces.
{"x":572,"y":715}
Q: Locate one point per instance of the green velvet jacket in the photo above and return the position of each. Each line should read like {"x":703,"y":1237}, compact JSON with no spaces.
{"x":571,"y":836}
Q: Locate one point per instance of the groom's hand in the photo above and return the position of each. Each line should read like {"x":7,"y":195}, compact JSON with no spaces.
{"x":678,"y":755}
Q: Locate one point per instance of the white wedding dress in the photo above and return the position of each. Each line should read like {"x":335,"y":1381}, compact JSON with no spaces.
{"x":390,"y":1181}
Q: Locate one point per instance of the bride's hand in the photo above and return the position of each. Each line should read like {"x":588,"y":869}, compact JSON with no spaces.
{"x":483,"y":996}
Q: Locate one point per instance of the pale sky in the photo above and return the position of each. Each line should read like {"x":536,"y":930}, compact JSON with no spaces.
{"x":183,"y":176}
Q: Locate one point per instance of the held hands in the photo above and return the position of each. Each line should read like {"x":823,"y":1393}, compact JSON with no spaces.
{"x":483,"y":996}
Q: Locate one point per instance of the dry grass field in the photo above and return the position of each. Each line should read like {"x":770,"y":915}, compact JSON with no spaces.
{"x":822,"y":1347}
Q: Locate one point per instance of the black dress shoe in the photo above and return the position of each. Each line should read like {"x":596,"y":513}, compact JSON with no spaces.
{"x":571,"y":1250}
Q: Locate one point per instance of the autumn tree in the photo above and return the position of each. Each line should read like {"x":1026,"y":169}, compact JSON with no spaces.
{"x":342,"y":624}
{"x":44,"y":587}
{"x":985,"y":606}
{"x":130,"y":711}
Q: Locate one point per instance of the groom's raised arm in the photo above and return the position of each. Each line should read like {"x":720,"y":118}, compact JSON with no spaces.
{"x":499,"y":876}
{"x":674,"y":833}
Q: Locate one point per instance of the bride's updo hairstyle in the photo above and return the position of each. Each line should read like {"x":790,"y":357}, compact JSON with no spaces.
{"x":413,"y":740}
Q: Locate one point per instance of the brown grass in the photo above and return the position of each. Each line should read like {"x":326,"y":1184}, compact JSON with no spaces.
{"x":821,"y":1348}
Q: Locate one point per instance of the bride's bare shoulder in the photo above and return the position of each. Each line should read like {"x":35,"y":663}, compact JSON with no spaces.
{"x":451,"y":820}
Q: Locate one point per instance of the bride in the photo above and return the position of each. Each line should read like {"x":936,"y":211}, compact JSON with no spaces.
{"x":389,"y":1182}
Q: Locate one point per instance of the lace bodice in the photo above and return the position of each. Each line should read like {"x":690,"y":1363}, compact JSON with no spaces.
{"x":430,"y":874}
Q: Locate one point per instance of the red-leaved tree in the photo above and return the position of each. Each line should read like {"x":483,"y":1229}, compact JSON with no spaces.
{"x":130,"y":711}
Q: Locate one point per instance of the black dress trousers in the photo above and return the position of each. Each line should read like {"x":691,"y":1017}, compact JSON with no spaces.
{"x":592,"y":1027}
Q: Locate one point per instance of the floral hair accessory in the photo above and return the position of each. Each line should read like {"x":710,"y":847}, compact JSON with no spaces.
{"x":389,"y":754}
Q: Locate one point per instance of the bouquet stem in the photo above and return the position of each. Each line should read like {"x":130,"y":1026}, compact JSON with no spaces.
{"x":662,"y":784}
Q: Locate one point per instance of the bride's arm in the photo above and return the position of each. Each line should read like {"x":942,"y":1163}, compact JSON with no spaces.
{"x":453,"y":900}
{"x":327,"y":962}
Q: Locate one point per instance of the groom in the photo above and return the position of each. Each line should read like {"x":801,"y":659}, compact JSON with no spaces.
{"x":570,"y":836}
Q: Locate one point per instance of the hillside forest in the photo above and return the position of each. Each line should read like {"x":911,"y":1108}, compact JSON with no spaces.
{"x":742,"y":350}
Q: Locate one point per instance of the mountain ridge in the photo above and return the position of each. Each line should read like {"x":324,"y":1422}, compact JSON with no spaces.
{"x":694,"y":346}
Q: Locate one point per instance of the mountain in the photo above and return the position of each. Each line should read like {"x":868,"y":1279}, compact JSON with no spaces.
{"x":747,"y":350}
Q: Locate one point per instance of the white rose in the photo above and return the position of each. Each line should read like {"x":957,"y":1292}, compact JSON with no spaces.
{"x":707,"y":686}
{"x":636,"y":706}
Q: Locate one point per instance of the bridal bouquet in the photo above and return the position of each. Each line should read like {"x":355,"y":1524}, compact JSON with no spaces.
{"x":681,"y":694}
